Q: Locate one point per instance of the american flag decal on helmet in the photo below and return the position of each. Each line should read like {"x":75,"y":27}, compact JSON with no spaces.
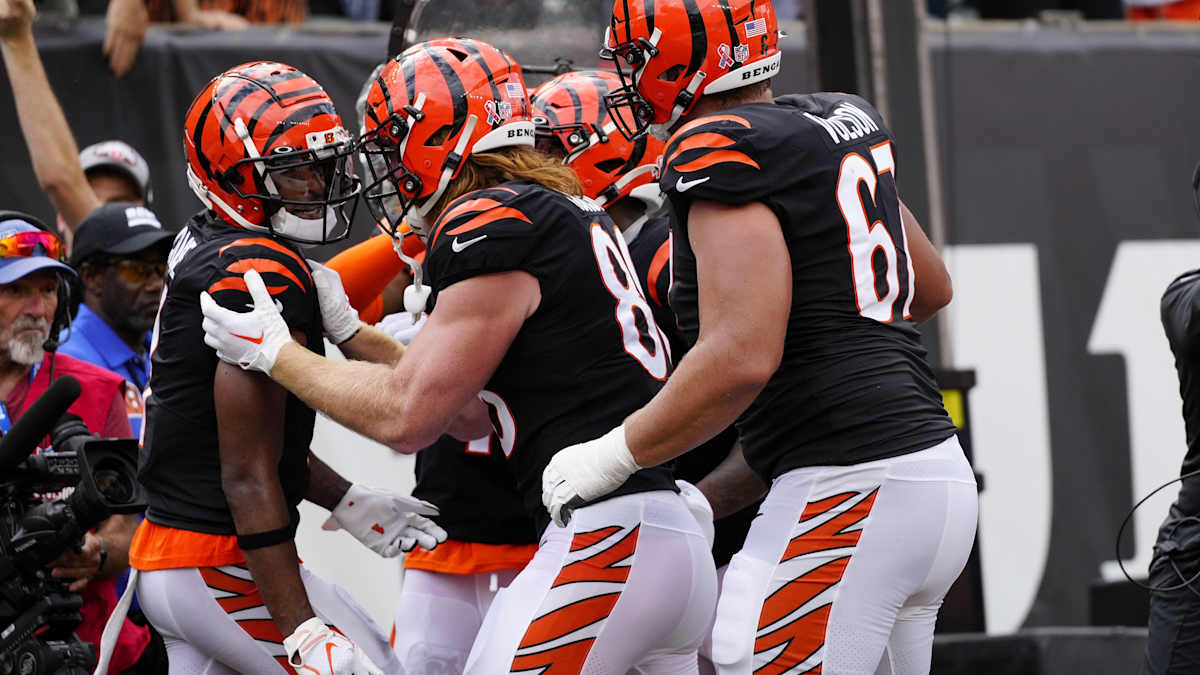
{"x":755,"y":28}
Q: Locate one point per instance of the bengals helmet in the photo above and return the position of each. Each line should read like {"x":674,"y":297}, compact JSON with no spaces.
{"x":267,"y":152}
{"x":572,"y":119}
{"x":427,"y":112}
{"x":669,"y":53}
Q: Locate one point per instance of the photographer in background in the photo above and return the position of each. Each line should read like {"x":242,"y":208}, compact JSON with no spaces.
{"x":32,"y":279}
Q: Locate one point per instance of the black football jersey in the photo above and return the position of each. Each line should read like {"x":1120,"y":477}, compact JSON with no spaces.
{"x":180,"y":465}
{"x":1181,"y":323}
{"x":473,"y":486}
{"x":590,"y":354}
{"x":853,"y":385}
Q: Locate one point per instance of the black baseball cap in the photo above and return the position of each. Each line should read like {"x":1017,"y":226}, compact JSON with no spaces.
{"x":119,"y":228}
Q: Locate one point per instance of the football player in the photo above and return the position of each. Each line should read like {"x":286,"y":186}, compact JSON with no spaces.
{"x":810,"y":321}
{"x":537,"y":313}
{"x":226,"y":456}
{"x":446,"y":592}
{"x":574,"y":123}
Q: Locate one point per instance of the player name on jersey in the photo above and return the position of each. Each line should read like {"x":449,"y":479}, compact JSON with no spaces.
{"x":847,"y":123}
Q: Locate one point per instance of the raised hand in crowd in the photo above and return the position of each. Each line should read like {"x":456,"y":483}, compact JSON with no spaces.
{"x":16,"y":16}
{"x":125,"y":28}
{"x":189,"y":11}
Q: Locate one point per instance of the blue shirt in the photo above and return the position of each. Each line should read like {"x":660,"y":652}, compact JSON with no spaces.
{"x":94,"y":341}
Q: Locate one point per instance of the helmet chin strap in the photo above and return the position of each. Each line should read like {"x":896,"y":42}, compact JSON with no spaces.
{"x":417,"y":294}
{"x":608,"y":129}
{"x":686,"y":98}
{"x":412,"y":118}
{"x":628,"y":178}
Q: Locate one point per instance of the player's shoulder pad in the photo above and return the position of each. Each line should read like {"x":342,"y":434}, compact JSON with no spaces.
{"x":721,"y":138}
{"x":282,"y":268}
{"x":494,"y":229}
{"x":506,"y":210}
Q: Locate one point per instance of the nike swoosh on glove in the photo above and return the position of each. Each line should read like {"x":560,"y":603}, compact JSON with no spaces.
{"x":386,"y":523}
{"x":339,"y":319}
{"x":251,"y":339}
{"x":317,"y":648}
{"x":587,"y":471}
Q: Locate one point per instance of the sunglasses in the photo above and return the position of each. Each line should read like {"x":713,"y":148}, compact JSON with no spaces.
{"x":136,"y":271}
{"x":32,"y":244}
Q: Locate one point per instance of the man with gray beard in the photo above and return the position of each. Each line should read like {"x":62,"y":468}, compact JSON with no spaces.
{"x":32,"y":272}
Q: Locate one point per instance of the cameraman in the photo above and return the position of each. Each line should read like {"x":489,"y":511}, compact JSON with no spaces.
{"x":31,"y":276}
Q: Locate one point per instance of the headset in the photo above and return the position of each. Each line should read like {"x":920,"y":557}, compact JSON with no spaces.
{"x":62,"y":313}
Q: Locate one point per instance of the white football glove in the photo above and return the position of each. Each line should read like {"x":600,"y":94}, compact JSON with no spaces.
{"x":583,"y":472}
{"x":339,"y":319}
{"x":386,"y":523}
{"x":401,"y":326}
{"x":319,"y":649}
{"x":251,"y":339}
{"x":701,"y":510}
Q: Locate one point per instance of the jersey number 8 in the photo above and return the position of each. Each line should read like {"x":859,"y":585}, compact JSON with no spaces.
{"x":642,"y":337}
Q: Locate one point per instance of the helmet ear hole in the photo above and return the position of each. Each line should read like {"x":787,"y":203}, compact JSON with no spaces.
{"x":673,"y":73}
{"x":611,"y":165}
{"x":439,"y":137}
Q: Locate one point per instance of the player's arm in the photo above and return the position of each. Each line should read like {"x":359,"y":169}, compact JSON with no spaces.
{"x":933,"y":288}
{"x":406,"y":406}
{"x":373,"y":345}
{"x":745,"y":295}
{"x":47,"y":136}
{"x":326,"y":487}
{"x":732,"y":485}
{"x":250,"y":412}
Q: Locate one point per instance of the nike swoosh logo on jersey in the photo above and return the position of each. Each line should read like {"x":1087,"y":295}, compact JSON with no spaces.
{"x":458,"y":246}
{"x":682,"y":185}
{"x":258,"y":340}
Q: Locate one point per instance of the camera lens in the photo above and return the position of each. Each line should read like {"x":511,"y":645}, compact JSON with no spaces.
{"x":113,"y":485}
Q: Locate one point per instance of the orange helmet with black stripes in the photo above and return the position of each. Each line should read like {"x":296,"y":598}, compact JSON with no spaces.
{"x":427,"y":111}
{"x":573,"y":120}
{"x":669,"y":53}
{"x":267,"y":152}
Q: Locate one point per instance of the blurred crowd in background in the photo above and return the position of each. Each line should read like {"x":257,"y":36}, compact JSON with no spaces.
{"x":127,"y":20}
